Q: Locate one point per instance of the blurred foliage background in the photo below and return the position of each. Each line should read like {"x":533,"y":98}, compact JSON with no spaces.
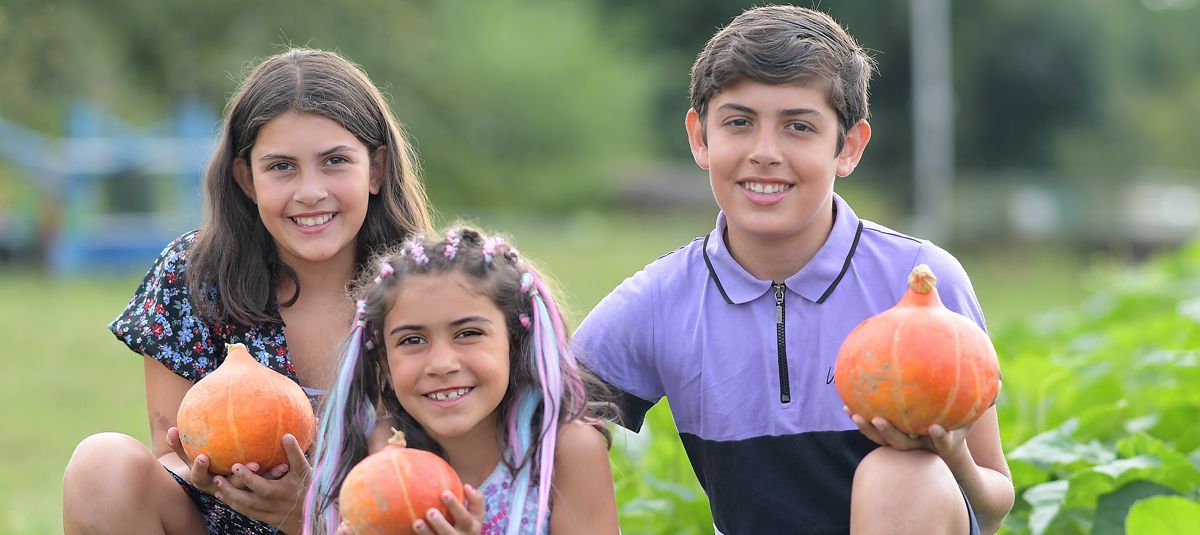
{"x":1075,"y":128}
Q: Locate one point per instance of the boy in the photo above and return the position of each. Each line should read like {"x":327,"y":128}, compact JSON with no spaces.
{"x":740,"y":328}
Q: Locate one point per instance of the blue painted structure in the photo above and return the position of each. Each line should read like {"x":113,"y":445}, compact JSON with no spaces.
{"x":121,"y":192}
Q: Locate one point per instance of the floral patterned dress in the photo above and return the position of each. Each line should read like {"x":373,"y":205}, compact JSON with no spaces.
{"x":159,"y":322}
{"x":498,"y":498}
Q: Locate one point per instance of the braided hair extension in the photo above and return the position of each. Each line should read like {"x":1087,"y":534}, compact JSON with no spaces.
{"x":547,"y":388}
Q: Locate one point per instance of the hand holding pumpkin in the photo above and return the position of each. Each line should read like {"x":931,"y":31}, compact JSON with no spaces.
{"x":467,"y":518}
{"x":198,"y":474}
{"x":277,"y":502}
{"x":949,"y":445}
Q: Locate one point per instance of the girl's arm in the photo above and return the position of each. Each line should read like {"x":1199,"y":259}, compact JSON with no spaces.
{"x":164,"y":393}
{"x":583,"y":500}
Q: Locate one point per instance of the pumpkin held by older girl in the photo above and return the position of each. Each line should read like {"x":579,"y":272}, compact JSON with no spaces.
{"x":240,"y":412}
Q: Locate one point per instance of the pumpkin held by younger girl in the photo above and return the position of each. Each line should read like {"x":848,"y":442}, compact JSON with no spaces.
{"x":389,"y":490}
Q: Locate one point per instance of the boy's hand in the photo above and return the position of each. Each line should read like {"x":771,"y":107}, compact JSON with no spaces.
{"x":949,"y":445}
{"x":467,"y":518}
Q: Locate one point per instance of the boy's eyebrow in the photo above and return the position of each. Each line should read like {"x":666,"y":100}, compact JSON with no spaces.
{"x":455,"y":323}
{"x":326,"y":152}
{"x":789,"y":112}
{"x":737,"y":107}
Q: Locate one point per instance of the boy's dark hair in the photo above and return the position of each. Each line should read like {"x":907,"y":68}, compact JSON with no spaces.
{"x":784,"y":44}
{"x":233,"y":250}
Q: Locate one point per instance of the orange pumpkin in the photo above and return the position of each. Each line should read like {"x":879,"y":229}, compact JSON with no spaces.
{"x":390,"y":489}
{"x":240,"y":412}
{"x":918,"y":364}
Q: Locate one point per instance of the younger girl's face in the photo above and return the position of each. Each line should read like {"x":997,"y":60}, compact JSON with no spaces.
{"x":311,"y":179}
{"x":447,"y":354}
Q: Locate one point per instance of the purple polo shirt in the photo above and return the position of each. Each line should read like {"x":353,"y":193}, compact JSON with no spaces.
{"x":748,"y":365}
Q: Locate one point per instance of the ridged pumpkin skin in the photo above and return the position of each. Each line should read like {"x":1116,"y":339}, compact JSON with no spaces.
{"x":384,"y":493}
{"x":918,"y":364}
{"x":240,"y":412}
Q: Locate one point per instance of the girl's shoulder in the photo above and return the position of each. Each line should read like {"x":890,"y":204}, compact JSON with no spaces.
{"x":579,"y":442}
{"x":176,"y":252}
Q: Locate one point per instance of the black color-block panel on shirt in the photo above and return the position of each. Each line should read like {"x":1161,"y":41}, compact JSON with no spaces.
{"x":779,"y":484}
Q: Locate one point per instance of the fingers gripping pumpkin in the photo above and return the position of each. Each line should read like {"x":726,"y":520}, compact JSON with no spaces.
{"x":918,"y":364}
{"x":240,"y":412}
{"x":387,"y":491}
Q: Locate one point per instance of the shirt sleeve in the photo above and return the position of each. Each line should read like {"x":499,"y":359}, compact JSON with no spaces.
{"x":953,"y":284}
{"x":159,"y":321}
{"x":616,"y":342}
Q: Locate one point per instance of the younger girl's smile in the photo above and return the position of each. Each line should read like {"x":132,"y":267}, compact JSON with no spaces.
{"x":448,"y":355}
{"x":447,"y":397}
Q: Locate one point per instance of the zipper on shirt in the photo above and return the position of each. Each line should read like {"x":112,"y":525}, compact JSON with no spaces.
{"x":785,"y":391}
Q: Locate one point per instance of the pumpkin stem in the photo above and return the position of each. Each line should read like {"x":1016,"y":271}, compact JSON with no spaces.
{"x":397,"y":438}
{"x":232,"y":347}
{"x":922,"y":280}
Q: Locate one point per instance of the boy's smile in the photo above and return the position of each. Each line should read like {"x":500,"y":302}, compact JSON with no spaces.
{"x":771,"y":151}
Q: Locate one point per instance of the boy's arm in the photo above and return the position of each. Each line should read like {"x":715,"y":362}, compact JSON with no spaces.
{"x":616,"y":343}
{"x":983,"y":473}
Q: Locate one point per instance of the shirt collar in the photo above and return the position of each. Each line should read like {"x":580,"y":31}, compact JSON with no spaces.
{"x":815,"y":281}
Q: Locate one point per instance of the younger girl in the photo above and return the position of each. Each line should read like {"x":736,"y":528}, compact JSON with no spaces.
{"x":310,"y":175}
{"x":460,"y":345}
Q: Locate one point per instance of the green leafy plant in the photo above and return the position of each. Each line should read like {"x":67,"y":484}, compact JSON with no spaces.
{"x":1103,"y":403}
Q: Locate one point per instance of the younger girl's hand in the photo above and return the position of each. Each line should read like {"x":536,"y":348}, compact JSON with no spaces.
{"x":467,"y":519}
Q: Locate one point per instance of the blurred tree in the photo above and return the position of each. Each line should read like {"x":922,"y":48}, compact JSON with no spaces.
{"x":529,"y":103}
{"x":514,"y":103}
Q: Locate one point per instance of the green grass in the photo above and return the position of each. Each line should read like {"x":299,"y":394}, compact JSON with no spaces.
{"x":67,"y":377}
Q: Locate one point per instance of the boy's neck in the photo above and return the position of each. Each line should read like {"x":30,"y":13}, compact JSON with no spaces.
{"x":777,"y":259}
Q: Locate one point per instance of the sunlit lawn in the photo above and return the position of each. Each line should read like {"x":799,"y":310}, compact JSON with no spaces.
{"x":66,"y":377}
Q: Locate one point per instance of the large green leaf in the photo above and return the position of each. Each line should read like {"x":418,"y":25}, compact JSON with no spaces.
{"x":1163,"y":515}
{"x":1112,"y":508}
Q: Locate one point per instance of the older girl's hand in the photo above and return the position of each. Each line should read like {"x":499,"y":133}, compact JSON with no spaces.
{"x":198,"y":474}
{"x":275,"y":498}
{"x":468,"y":518}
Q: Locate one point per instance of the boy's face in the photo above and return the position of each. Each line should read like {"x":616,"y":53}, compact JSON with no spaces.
{"x":772,"y":156}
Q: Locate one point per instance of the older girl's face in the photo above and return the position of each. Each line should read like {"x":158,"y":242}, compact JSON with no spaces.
{"x":311,"y":180}
{"x":448,"y":355}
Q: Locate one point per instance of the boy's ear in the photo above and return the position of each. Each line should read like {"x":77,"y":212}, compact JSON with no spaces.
{"x":852,"y":150}
{"x":695,"y":131}
{"x":241,"y":173}
{"x":379,"y":163}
